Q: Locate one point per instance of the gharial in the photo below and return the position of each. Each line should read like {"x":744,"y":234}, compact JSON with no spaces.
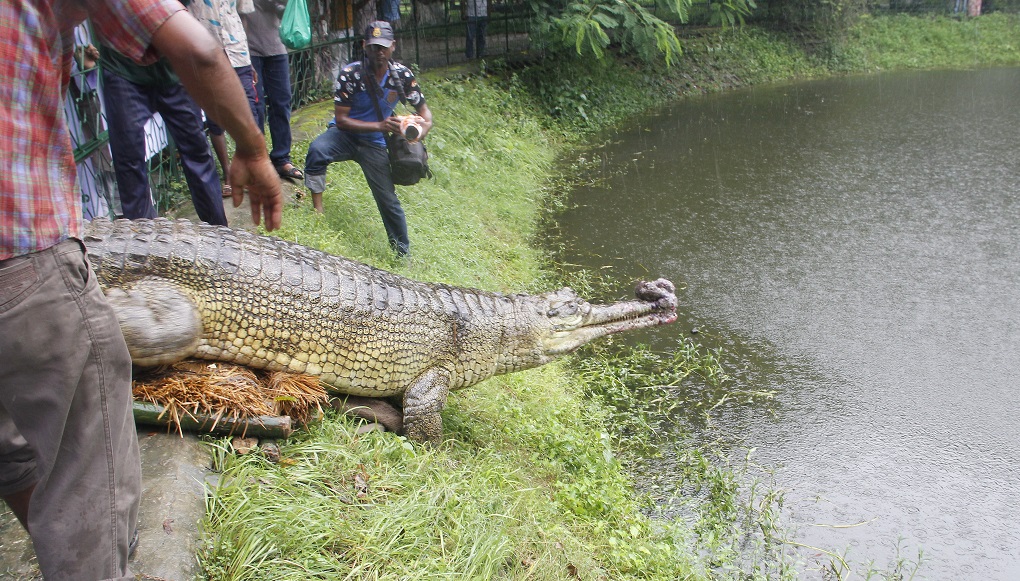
{"x":182,"y":289}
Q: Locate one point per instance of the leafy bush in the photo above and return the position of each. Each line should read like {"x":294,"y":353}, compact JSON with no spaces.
{"x":590,"y":26}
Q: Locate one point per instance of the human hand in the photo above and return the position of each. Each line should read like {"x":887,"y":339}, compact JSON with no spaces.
{"x":88,"y":57}
{"x":256,"y":176}
{"x":391,"y":125}
{"x":91,"y":56}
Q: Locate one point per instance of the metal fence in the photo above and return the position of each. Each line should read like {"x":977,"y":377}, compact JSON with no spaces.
{"x":945,"y":7}
{"x":86,"y":116}
{"x":430,"y":34}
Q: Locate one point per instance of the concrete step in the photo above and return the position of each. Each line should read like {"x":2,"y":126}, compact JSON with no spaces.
{"x":175,"y":470}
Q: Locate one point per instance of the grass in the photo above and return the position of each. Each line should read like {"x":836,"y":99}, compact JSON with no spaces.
{"x":528,"y":485}
{"x":902,"y":42}
{"x":535,"y":478}
{"x":465,"y":225}
{"x":373,"y":506}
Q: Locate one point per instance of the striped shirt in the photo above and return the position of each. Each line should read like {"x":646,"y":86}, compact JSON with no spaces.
{"x":39,"y":200}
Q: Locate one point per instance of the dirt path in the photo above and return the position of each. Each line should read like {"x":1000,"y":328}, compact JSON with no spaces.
{"x":306,"y":124}
{"x":239,"y":217}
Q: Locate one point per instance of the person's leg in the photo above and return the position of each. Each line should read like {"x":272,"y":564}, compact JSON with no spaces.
{"x":17,"y":461}
{"x":217,"y":135}
{"x":389,"y":10}
{"x":218,"y":138}
{"x":247,"y":76}
{"x":260,"y":91}
{"x":183,"y":120}
{"x":375,"y":164}
{"x":333,"y":145}
{"x":67,"y":386}
{"x":469,"y":39}
{"x":483,"y":25}
{"x":127,"y":109}
{"x":276,"y":78}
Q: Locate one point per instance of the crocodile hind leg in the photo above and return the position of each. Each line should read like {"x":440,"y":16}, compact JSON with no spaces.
{"x":422,"y":403}
{"x":160,"y":323}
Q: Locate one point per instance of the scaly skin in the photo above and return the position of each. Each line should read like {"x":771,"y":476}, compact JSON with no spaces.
{"x":193,"y":290}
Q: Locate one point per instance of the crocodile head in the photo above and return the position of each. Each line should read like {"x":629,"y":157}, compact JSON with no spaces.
{"x":561,"y":321}
{"x":573,"y":321}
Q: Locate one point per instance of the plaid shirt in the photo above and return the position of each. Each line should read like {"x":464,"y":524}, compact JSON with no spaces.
{"x":39,"y":200}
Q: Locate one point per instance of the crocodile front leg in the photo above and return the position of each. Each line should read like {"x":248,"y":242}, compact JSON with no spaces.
{"x":423,"y":402}
{"x":160,"y":323}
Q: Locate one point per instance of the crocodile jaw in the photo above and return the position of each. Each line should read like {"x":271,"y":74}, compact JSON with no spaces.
{"x":575,"y":322}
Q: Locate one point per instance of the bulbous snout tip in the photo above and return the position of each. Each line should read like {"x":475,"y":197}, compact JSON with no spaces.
{"x":661,"y":292}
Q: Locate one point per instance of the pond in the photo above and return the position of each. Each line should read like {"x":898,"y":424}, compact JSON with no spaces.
{"x":852,"y":244}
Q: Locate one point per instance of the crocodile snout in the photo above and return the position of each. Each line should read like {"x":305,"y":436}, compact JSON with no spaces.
{"x":662,"y":292}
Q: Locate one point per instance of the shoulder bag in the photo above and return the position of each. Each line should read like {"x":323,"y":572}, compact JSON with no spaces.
{"x":409,"y":160}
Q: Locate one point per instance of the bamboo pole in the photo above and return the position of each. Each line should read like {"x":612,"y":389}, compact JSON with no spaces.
{"x":260,"y":426}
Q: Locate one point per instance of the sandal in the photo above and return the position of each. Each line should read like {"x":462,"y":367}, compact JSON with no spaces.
{"x":290,"y":172}
{"x":228,"y":192}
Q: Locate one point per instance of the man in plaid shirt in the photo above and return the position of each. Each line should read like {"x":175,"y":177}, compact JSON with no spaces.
{"x":69,"y":466}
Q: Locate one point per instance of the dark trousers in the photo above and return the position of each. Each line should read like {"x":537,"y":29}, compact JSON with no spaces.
{"x":336,"y":145}
{"x":128,"y":107}
{"x":273,"y":88}
{"x":475,"y":43}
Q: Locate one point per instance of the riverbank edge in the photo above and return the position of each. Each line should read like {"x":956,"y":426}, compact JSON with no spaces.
{"x":568,"y":535}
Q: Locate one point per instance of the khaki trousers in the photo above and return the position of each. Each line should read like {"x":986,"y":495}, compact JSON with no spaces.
{"x":65,"y":414}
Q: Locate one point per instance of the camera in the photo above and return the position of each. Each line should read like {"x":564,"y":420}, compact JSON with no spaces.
{"x":410,"y":128}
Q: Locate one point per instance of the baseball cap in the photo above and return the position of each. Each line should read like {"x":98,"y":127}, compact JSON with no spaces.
{"x":379,"y":32}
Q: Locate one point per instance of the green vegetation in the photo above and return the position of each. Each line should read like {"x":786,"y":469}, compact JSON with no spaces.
{"x":535,"y":480}
{"x":528,"y":485}
{"x":599,"y":29}
{"x":902,"y":42}
{"x":591,"y":26}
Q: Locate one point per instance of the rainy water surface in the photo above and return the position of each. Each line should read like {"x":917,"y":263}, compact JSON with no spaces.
{"x":854,"y":245}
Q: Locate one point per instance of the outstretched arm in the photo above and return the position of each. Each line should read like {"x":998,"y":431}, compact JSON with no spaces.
{"x":206,"y":73}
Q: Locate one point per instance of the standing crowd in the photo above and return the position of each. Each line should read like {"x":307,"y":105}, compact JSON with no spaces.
{"x":248,"y":32}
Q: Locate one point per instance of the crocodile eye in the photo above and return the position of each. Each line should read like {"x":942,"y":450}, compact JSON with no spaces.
{"x":564,"y":310}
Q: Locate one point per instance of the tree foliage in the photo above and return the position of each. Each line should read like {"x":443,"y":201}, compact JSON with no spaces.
{"x":730,"y":13}
{"x":592,"y":27}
